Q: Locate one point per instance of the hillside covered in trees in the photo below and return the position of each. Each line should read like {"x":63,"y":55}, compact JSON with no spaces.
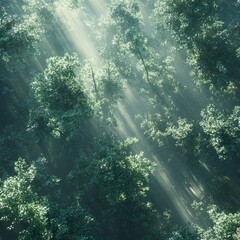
{"x":119,"y":120}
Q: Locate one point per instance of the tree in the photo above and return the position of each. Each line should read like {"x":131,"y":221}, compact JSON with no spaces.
{"x":225,"y":226}
{"x":11,"y":145}
{"x":61,"y":101}
{"x":71,"y":221}
{"x":22,"y":208}
{"x":20,"y":31}
{"x":223,"y":130}
{"x":110,"y":91}
{"x":113,"y":189}
{"x":209,"y":36}
{"x":21,"y":28}
{"x":183,"y":233}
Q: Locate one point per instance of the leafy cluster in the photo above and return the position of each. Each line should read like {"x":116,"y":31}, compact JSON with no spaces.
{"x":172,"y":63}
{"x":61,"y":100}
{"x":22,"y":208}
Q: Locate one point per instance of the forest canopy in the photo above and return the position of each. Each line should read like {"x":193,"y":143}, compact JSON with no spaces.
{"x":119,"y":120}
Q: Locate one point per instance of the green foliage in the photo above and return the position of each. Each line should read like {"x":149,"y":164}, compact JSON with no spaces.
{"x":111,"y":84}
{"x":20,"y":31}
{"x":225,"y":226}
{"x":61,"y":99}
{"x":186,"y":17}
{"x":181,"y":131}
{"x":104,"y":189}
{"x":73,"y":223}
{"x":209,"y":35}
{"x":10,"y":146}
{"x":223,"y":131}
{"x":110,"y":91}
{"x":116,"y":165}
{"x":164,"y":131}
{"x":115,"y":191}
{"x":21,"y":207}
{"x":74,"y":4}
{"x":183,"y":234}
{"x":156,"y":127}
{"x":128,"y":21}
{"x":18,"y":37}
{"x":43,"y":11}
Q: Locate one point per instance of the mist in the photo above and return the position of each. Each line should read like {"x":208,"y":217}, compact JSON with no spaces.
{"x":110,"y":96}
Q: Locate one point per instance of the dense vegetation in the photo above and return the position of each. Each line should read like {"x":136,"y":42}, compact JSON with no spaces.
{"x":84,"y":141}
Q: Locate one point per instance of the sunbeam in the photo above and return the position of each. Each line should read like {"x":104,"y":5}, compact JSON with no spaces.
{"x":119,"y":120}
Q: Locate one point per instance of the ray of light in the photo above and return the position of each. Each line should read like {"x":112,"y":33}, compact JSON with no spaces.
{"x":80,"y":35}
{"x":79,"y":32}
{"x":181,"y":187}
